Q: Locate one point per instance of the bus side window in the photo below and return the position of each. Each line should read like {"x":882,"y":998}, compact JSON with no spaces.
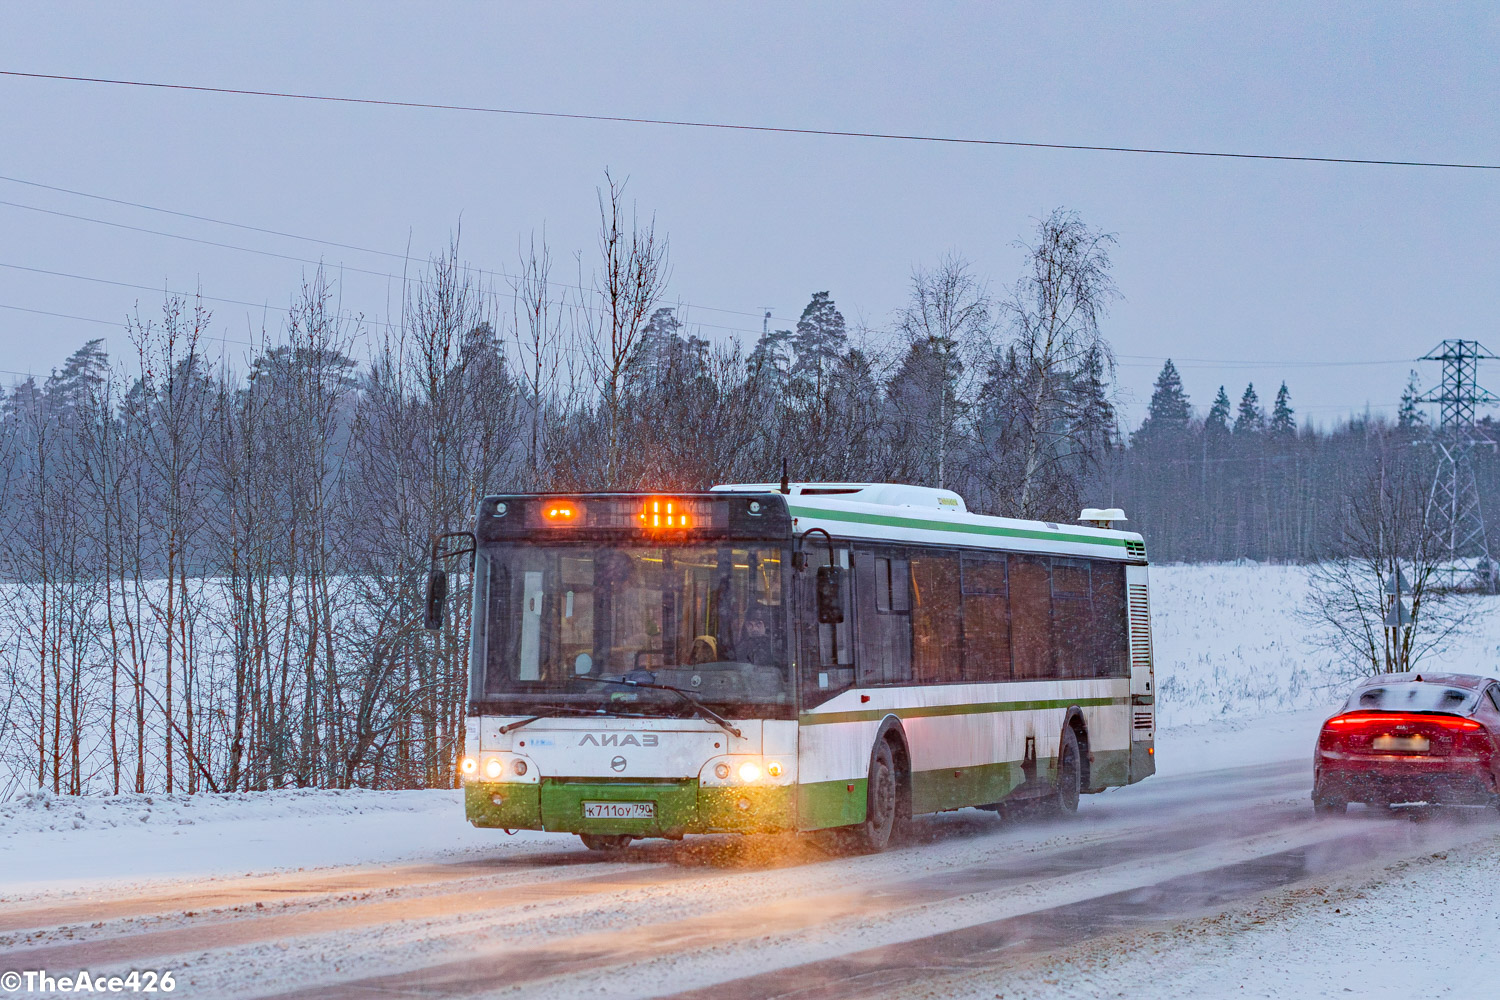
{"x":1031,"y":618}
{"x":986,"y":618}
{"x":883,"y":627}
{"x":1072,"y":618}
{"x":823,"y":676}
{"x":1109,"y":643}
{"x":936,"y":618}
{"x":835,"y":645}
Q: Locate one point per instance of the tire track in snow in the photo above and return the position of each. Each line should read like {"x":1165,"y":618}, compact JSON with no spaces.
{"x":279,"y":889}
{"x":646,"y":940}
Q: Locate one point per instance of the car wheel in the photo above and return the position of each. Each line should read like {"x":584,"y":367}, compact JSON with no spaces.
{"x":1330,"y":807}
{"x":606,"y":841}
{"x":882,"y":800}
{"x":1069,"y":773}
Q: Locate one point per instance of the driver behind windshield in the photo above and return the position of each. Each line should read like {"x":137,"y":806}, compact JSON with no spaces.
{"x":756,"y":645}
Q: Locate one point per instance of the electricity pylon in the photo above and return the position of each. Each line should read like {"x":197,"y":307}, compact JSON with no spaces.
{"x":1453,"y":511}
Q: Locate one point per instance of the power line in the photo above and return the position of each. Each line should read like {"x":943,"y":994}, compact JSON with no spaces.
{"x":44,"y":312}
{"x":296,"y":236}
{"x":164,"y":290}
{"x":413,"y":279}
{"x":104,"y":322}
{"x":740,"y":127}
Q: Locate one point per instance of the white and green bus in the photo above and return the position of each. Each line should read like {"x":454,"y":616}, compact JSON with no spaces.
{"x":804,"y":657}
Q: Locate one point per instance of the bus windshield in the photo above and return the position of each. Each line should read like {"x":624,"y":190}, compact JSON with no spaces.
{"x":557,"y":626}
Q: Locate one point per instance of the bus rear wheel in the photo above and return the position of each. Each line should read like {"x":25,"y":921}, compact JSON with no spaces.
{"x":882,"y":802}
{"x":606,"y":841}
{"x":1069,"y":773}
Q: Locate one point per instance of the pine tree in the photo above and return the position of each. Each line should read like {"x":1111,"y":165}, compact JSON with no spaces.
{"x":1217,"y":423}
{"x":771,"y":358}
{"x":1410,"y":417}
{"x":1169,"y":412}
{"x":1283,"y":420}
{"x":820,"y":340}
{"x":1091,"y":416}
{"x":1250,"y":419}
{"x":660,"y":348}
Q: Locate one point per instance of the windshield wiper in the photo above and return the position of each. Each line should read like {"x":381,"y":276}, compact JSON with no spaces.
{"x":704,"y":712}
{"x":558,"y":712}
{"x":552,"y":712}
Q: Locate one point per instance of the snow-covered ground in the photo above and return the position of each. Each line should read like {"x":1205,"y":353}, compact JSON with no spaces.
{"x":1240,"y":687}
{"x":1229,"y":644}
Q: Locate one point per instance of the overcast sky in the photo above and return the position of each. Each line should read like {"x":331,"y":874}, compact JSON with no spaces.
{"x":1292,"y":271}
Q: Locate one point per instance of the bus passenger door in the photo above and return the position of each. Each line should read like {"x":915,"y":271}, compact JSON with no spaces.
{"x":1142,"y":675}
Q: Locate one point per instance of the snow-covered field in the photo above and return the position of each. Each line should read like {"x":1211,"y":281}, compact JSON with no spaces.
{"x":1230,"y":645}
{"x":1239,"y":685}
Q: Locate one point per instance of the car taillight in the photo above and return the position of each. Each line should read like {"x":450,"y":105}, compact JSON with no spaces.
{"x":1447,"y":732}
{"x":1344,"y":723}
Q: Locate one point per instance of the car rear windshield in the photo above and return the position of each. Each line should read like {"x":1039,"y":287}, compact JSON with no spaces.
{"x":1414,"y":696}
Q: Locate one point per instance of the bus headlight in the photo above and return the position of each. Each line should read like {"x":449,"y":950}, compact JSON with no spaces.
{"x":520,"y":767}
{"x":493,"y":767}
{"x":469,"y":765}
{"x":774,"y":768}
{"x":749,"y":771}
{"x":721,"y":769}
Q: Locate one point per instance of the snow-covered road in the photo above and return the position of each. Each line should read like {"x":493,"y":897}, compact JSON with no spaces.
{"x":972,"y":905}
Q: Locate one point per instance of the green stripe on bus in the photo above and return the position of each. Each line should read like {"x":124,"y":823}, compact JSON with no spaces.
{"x":930,"y":711}
{"x":892,"y":521}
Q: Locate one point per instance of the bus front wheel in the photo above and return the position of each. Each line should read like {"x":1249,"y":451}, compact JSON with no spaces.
{"x":882,"y":801}
{"x":606,"y":841}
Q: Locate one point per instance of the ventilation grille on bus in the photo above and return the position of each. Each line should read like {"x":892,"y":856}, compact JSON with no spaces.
{"x":1143,"y":720}
{"x":1140,"y":627}
{"x":1135,"y":549}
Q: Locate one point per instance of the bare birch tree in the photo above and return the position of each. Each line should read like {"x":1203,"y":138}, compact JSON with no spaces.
{"x":1054,"y":311}
{"x":1377,"y":602}
{"x":946,"y":323}
{"x":631,"y":276}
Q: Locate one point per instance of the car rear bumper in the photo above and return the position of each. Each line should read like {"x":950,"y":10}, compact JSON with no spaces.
{"x":1387,"y":778}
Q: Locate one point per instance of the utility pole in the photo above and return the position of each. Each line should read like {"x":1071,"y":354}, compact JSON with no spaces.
{"x":1454,"y":514}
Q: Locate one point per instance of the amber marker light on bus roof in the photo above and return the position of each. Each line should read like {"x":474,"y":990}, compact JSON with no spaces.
{"x":560,"y":512}
{"x":658,"y":514}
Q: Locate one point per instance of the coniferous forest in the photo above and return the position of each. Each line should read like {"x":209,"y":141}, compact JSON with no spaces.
{"x":213,"y":569}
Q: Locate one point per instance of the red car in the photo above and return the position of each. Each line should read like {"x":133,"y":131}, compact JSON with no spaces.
{"x":1413,"y":737}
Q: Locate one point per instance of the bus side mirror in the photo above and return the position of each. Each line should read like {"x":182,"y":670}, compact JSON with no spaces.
{"x":437,"y":594}
{"x":830,"y":595}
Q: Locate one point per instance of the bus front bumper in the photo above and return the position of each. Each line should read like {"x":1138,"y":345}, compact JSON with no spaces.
{"x":677,"y":807}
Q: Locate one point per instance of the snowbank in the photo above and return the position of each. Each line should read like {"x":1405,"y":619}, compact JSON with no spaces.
{"x":60,"y":843}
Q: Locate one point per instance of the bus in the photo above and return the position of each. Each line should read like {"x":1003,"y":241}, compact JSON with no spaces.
{"x":795,"y":657}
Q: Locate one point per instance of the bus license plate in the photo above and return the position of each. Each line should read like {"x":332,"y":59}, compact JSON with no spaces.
{"x":1401,"y":744}
{"x":619,"y":810}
